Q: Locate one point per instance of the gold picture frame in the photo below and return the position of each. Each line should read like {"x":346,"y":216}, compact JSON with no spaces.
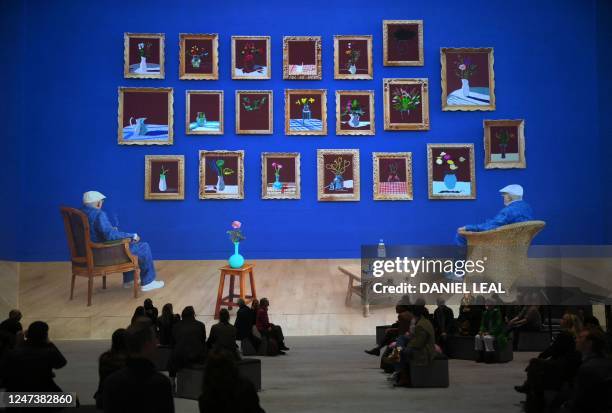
{"x":464,"y":99}
{"x":516,"y":159}
{"x":190,"y":129}
{"x":236,"y":75}
{"x":392,"y":190}
{"x":387,"y":61}
{"x":135,"y":70}
{"x":436,"y":191}
{"x":130,"y":129}
{"x":337,"y":58}
{"x":253,"y":130}
{"x":392,"y":86}
{"x":179,"y":195}
{"x":184,"y":74}
{"x":293,"y":72}
{"x":210,"y":191}
{"x":340,"y":128}
{"x":311,"y":126}
{"x":354,"y":194}
{"x":285,"y":191}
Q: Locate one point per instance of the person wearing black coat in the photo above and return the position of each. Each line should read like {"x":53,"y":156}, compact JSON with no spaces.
{"x":245,"y":320}
{"x":444,"y":324}
{"x":223,"y":335}
{"x":111,"y":361}
{"x":166,"y":323}
{"x":190,"y":342}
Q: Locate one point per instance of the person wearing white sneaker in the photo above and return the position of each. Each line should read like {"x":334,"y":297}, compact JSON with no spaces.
{"x":102,"y":230}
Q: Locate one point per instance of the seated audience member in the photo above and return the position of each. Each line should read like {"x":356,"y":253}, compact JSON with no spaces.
{"x":139,"y":315}
{"x":515,"y":210}
{"x":224,"y":390}
{"x":528,"y":319}
{"x":491,"y":332}
{"x":189,"y":337}
{"x":245,"y":322}
{"x":150,"y":311}
{"x":222,"y":335}
{"x":102,"y":230}
{"x":470,"y":315}
{"x":12,"y":330}
{"x":138,"y":387}
{"x":111,"y":361}
{"x":444,"y":323}
{"x":166,"y":323}
{"x":391,"y":333}
{"x":268,"y":329}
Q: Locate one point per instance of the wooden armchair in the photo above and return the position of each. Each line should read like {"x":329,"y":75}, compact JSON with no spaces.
{"x":90,"y":259}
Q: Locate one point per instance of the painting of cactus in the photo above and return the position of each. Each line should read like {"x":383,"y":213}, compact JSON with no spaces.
{"x":338,"y":174}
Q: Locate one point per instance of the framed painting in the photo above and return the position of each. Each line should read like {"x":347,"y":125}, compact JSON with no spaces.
{"x":145,"y":116}
{"x":338,"y":174}
{"x":468,"y":81}
{"x":305,"y":112}
{"x":251,"y":57}
{"x":392,"y":176}
{"x":355,"y":112}
{"x":450,"y":171}
{"x":280,"y":175}
{"x":353,"y":57}
{"x":254,"y":112}
{"x":143,"y":55}
{"x":221,"y":174}
{"x":302,"y":57}
{"x":204,"y":114}
{"x":504,"y":143}
{"x":406,"y":105}
{"x":198,"y":56}
{"x":164,"y":177}
{"x":403,"y":43}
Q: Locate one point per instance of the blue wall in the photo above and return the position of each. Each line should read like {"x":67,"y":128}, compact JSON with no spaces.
{"x":545,"y":69}
{"x":604,"y":40}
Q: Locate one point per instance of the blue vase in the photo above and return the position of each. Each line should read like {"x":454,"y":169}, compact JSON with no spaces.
{"x":236,"y":260}
{"x":450,"y":180}
{"x":277,"y":185}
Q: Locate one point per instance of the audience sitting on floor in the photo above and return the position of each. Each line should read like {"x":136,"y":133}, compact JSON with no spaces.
{"x":222,"y":335}
{"x":274,"y":333}
{"x":138,"y":387}
{"x":491,"y":333}
{"x":150,"y":310}
{"x":444,"y":324}
{"x":392,"y":332}
{"x":11,"y":332}
{"x":190,"y":342}
{"x":139,"y":315}
{"x":111,"y":361}
{"x":224,"y":390}
{"x":245,"y":323}
{"x":166,"y":323}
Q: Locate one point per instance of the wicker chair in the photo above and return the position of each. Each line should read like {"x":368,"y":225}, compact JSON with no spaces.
{"x":90,"y":259}
{"x":506,"y":250}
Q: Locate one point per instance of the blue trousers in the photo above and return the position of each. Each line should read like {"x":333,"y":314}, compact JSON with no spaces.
{"x":145,"y":261}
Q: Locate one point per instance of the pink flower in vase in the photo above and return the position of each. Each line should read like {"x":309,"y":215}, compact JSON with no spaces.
{"x":236,"y":224}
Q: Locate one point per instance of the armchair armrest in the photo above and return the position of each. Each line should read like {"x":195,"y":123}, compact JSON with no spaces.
{"x":112,"y":253}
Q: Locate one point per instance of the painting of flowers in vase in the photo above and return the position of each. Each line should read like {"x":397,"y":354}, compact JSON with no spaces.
{"x":403,"y":43}
{"x":145,"y":116}
{"x":280,"y":175}
{"x":164,"y":177}
{"x":353,"y":57}
{"x":451,"y":173}
{"x":305,"y":112}
{"x":143,"y":55}
{"x":254,"y":112}
{"x":392,"y":176}
{"x":355,"y":112}
{"x":338,"y":175}
{"x":468,"y":81}
{"x":251,"y":57}
{"x":406,"y":104}
{"x":302,"y":57}
{"x":204,"y":112}
{"x":221,"y":174}
{"x":504,"y":143}
{"x":199,"y":59}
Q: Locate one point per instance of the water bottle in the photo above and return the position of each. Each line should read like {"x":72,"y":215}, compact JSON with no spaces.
{"x":382,"y":251}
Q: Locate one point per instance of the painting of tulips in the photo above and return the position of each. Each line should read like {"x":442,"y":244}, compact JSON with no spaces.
{"x":143,"y":55}
{"x":406,"y":104}
{"x":145,"y":116}
{"x":221,"y":174}
{"x":504,"y":143}
{"x":204,"y":112}
{"x":338,"y":175}
{"x":355,"y":112}
{"x":251,"y":57}
{"x":392,"y":176}
{"x":280,"y":175}
{"x":305,"y":112}
{"x":302,"y":57}
{"x":198,"y":56}
{"x":451,"y":173}
{"x":164,"y":177}
{"x":353,"y":57}
{"x":403,"y":43}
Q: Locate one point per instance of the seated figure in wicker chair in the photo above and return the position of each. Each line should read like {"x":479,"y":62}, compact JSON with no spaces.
{"x":102,"y":230}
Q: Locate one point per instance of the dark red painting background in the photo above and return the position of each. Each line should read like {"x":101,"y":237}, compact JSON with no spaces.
{"x":302,"y":52}
{"x":154,"y":51}
{"x":172,"y":176}
{"x":406,"y":49}
{"x":260,"y":59}
{"x":207,"y":103}
{"x":364,"y":101}
{"x":463,"y":173}
{"x":258,"y":119}
{"x":480,"y":78}
{"x":329,"y":175}
{"x":415,"y":115}
{"x":343,"y":58}
{"x":383,"y":168}
{"x":512,"y":142}
{"x":231,"y":161}
{"x":287,"y":172}
{"x":150,"y":105}
{"x":295,"y":111}
{"x":206,"y":64}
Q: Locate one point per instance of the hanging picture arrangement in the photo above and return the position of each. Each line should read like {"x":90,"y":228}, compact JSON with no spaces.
{"x":353,"y":57}
{"x":280,"y":175}
{"x":254,"y":112}
{"x":468,"y":81}
{"x":355,"y":112}
{"x":305,"y":112}
{"x":251,"y":57}
{"x":392,"y":176}
{"x":221,"y":174}
{"x":504,"y":143}
{"x":164,"y":177}
{"x":204,"y":114}
{"x":302,"y":57}
{"x":406,"y":104}
{"x":145,"y":116}
{"x":143,"y":55}
{"x":450,"y":170}
{"x":403,"y":43}
{"x":338,"y":175}
{"x":198,"y":56}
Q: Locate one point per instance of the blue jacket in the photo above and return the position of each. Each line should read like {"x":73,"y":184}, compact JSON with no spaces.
{"x":517,"y":211}
{"x":100,"y":228}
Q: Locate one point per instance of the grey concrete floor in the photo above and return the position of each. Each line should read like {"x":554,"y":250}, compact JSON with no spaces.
{"x":333,"y":374}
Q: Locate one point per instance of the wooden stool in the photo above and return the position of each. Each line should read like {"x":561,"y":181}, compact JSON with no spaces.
{"x":229,"y":300}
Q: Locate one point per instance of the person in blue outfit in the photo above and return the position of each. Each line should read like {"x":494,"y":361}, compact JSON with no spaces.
{"x":515,"y":210}
{"x":102,"y":230}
